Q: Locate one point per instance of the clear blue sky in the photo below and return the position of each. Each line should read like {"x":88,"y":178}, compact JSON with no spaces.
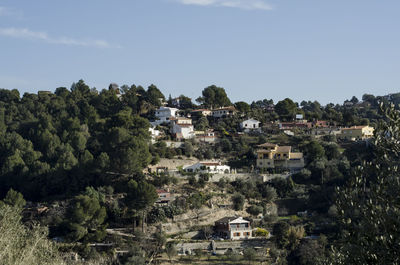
{"x":302,"y":49}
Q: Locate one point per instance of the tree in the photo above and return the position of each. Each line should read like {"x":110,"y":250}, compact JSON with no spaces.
{"x":214,"y":97}
{"x":368,"y":206}
{"x":283,"y":186}
{"x":85,"y":218}
{"x":242,"y":107}
{"x":171,"y":251}
{"x":154,"y":96}
{"x":254,"y":210}
{"x":281,"y":232}
{"x":140,"y":194}
{"x":295,"y":234}
{"x":286,"y":109}
{"x":128,"y":153}
{"x":14,"y":199}
{"x":3,"y":126}
{"x":249,"y":254}
{"x":207,"y":232}
{"x":314,"y":150}
{"x":159,"y":242}
{"x":20,"y":245}
{"x":202,"y":124}
{"x":354,"y":100}
{"x":188,"y":148}
{"x":332,"y":151}
{"x":369,"y":98}
{"x":311,"y":251}
{"x":238,"y":201}
{"x":268,"y":193}
{"x":185,"y":102}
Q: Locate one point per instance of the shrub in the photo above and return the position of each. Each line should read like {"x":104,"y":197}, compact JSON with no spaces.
{"x":261,"y":232}
{"x":238,"y":201}
{"x":254,"y":210}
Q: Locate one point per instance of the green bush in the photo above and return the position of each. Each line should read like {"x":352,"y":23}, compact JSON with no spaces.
{"x":260,"y":232}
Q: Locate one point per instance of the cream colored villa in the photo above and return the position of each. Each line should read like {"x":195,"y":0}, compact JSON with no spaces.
{"x":271,"y":156}
{"x":357,"y":133}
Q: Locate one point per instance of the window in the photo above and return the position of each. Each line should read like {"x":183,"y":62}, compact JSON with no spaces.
{"x":236,"y":234}
{"x":246,"y":233}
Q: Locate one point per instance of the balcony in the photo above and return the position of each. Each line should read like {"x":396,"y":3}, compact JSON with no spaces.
{"x":241,"y":228}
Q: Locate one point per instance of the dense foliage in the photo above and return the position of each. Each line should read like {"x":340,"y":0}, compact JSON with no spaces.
{"x":369,"y":206}
{"x":58,"y":144}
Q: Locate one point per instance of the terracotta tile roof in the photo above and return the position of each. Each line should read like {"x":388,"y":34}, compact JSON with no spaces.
{"x":284,"y":149}
{"x":267,"y":145}
{"x":198,"y":110}
{"x":225,"y":108}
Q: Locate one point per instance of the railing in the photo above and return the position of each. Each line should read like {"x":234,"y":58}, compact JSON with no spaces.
{"x":234,"y":228}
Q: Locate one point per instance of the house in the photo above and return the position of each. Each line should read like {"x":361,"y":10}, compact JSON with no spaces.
{"x":270,"y":108}
{"x":178,"y":102}
{"x":164,"y":196}
{"x":271,"y":156}
{"x":207,"y":136}
{"x":320,"y":124}
{"x":224,"y":112}
{"x":213,"y":167}
{"x":250,"y":125}
{"x":233,"y":228}
{"x":164,"y":115}
{"x":182,"y":128}
{"x":297,"y":124}
{"x":357,"y":133}
{"x":348,"y":104}
{"x":201,"y":112}
{"x":115,"y":87}
{"x":154,"y":133}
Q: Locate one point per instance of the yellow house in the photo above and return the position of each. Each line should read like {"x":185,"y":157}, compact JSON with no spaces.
{"x":357,"y":133}
{"x":271,"y":156}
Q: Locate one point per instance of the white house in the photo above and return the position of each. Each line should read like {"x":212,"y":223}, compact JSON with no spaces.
{"x":213,"y":167}
{"x":182,"y":128}
{"x":207,"y":136}
{"x":201,"y":112}
{"x":233,"y":228}
{"x":250,"y":125}
{"x":154,"y":133}
{"x":164,"y":115}
{"x":224,"y":112}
